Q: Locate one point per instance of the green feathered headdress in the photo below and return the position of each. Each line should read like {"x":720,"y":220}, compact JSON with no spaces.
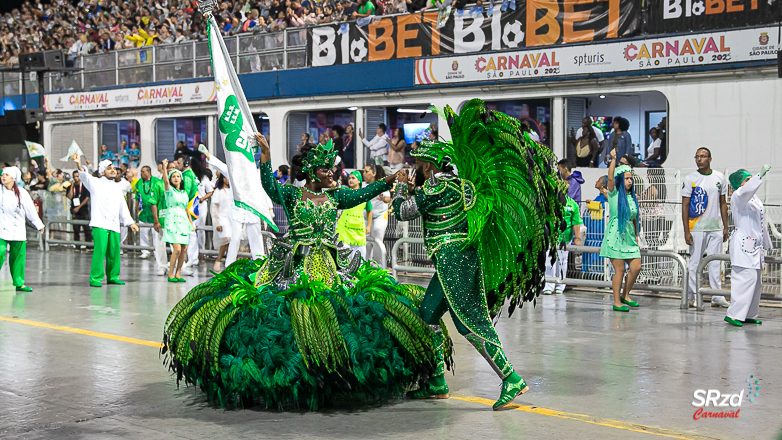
{"x":433,"y":151}
{"x":319,"y":156}
{"x":513,"y":197}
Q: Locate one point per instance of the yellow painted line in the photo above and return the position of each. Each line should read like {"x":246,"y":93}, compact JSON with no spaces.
{"x":608,"y":423}
{"x":616,"y":424}
{"x":79,"y":331}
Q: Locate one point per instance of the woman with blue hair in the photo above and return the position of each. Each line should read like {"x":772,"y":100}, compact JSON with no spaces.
{"x":620,"y":243}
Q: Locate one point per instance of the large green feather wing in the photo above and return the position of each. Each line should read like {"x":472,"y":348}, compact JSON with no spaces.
{"x":513,"y":197}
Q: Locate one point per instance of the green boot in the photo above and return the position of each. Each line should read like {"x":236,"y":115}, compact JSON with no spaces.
{"x":512,"y":384}
{"x":436,"y":388}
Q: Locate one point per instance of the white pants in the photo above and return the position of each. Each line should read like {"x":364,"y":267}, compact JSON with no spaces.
{"x":123,"y":234}
{"x":360,"y":249}
{"x":557,"y":270}
{"x":711,"y":242}
{"x":253,"y":236}
{"x":379,"y":225}
{"x":161,"y":257}
{"x":744,"y":292}
{"x":143,"y":236}
{"x":192,"y":244}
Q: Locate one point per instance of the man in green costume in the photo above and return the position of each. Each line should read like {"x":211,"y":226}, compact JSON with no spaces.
{"x":458,"y":284}
{"x":486,"y":230}
{"x":107,"y":209}
{"x":146,"y":203}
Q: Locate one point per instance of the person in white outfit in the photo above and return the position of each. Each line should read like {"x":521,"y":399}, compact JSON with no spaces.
{"x":705,"y":219}
{"x":15,"y":205}
{"x":371,"y":174}
{"x":378,"y":146}
{"x":198,"y":238}
{"x":127,"y":188}
{"x":108,"y":209}
{"x":747,"y":245}
{"x":239,"y":219}
{"x":222,"y":205}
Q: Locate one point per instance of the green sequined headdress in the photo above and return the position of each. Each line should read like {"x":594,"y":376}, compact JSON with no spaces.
{"x":432,"y":151}
{"x":319,"y":156}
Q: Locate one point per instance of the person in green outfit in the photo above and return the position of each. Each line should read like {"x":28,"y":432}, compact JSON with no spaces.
{"x":487,"y":230}
{"x":107,"y":209}
{"x":146,"y":202}
{"x":558,"y":268}
{"x":351,"y":226}
{"x":178,"y":223}
{"x":620,"y":243}
{"x":15,"y":206}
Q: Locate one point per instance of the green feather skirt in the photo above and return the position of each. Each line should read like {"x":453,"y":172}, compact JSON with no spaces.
{"x":308,"y":347}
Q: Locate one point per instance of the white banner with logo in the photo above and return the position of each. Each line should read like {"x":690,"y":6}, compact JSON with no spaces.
{"x":693,"y":50}
{"x":131,"y":97}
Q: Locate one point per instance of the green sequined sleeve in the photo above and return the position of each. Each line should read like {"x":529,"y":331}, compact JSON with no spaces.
{"x":348,"y":198}
{"x":278,"y":193}
{"x":419,"y":204}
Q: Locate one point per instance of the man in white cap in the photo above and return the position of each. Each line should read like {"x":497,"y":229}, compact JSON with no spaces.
{"x":15,"y":205}
{"x":107,"y":210}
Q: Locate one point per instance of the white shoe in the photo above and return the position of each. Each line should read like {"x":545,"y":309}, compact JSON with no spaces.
{"x":187,"y":271}
{"x":692,"y":303}
{"x":719,"y":301}
{"x":144,"y":255}
{"x":558,"y":291}
{"x":547,"y":292}
{"x":162,"y":271}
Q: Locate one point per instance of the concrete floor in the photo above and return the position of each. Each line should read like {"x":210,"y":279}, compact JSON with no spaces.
{"x":593,"y":373}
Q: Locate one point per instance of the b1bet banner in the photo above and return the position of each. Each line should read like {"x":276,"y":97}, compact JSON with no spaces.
{"x":669,"y":16}
{"x":533,"y":23}
{"x":649,"y":54}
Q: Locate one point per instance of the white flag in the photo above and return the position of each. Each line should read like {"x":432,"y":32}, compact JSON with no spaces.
{"x":73,"y":149}
{"x":237,"y":132}
{"x":35,"y":149}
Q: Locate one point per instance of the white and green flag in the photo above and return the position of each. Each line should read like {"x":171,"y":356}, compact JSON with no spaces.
{"x":73,"y":149}
{"x":237,"y":132}
{"x":35,"y":149}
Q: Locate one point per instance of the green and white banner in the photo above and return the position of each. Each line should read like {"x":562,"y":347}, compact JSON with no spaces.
{"x":237,"y":132}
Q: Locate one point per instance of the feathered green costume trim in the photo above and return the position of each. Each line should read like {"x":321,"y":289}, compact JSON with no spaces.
{"x":513,"y":197}
{"x":309,"y":346}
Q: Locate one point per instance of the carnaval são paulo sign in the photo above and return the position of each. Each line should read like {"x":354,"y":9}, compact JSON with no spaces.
{"x":131,"y":97}
{"x":650,"y":54}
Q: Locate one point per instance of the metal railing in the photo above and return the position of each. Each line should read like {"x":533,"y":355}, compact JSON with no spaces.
{"x":683,"y":288}
{"x":700,"y":291}
{"x":250,"y":53}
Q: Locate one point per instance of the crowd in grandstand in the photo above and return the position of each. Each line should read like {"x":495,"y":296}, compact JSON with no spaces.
{"x":92,"y":26}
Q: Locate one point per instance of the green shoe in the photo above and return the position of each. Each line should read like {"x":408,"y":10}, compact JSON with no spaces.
{"x":181,"y":280}
{"x":117,"y":282}
{"x":621,"y":309}
{"x":735,"y":322}
{"x":24,"y":289}
{"x":173,"y":280}
{"x":435,"y":389}
{"x":746,"y":321}
{"x":95,"y":284}
{"x":629,"y":303}
{"x":512,"y":387}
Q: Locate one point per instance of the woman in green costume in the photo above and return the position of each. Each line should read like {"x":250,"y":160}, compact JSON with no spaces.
{"x":620,"y":242}
{"x":351,"y":226}
{"x":312,"y":324}
{"x":178,"y":224}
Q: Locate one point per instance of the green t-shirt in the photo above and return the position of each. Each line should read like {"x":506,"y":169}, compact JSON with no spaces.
{"x":572,"y":218}
{"x":368,"y":8}
{"x":191,"y":183}
{"x":147,"y":196}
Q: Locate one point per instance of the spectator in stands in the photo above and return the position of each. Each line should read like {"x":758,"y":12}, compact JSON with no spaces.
{"x":365,"y":9}
{"x":416,"y":5}
{"x":305,"y":139}
{"x":653,"y":152}
{"x":627,"y":160}
{"x":106,"y":155}
{"x":350,"y":146}
{"x":574,"y":180}
{"x":600,"y":186}
{"x":705,"y":219}
{"x":587,"y":149}
{"x":42,"y":183}
{"x":282,"y":174}
{"x":80,"y":208}
{"x":396,"y":150}
{"x":622,"y":142}
{"x":378,"y":146}
{"x":620,"y":243}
